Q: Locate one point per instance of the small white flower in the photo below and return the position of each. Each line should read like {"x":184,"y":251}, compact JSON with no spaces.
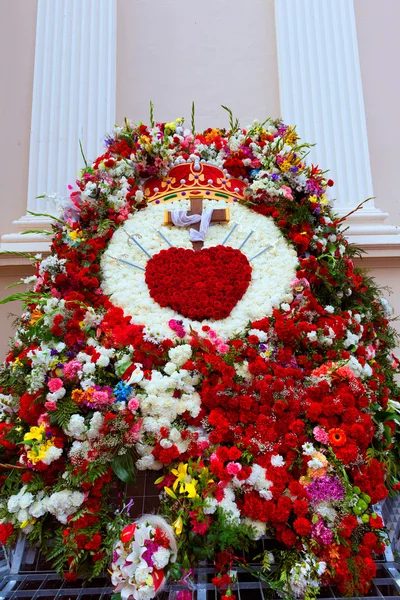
{"x":161,"y":558}
{"x":315,"y":464}
{"x":170,"y":368}
{"x":308,"y":449}
{"x":277,"y":460}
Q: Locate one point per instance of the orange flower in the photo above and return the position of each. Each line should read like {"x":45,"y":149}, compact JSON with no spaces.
{"x":337,"y":437}
{"x":35,"y":316}
{"x":77,"y":396}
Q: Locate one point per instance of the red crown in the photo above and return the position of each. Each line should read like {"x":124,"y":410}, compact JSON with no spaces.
{"x":192,"y":180}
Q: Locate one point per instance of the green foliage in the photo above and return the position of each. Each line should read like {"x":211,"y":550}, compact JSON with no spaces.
{"x":66,"y":407}
{"x":25,"y":297}
{"x":38,"y":231}
{"x":124,"y":467}
{"x":52,"y":217}
{"x":233,"y":123}
{"x":193,"y":121}
{"x":152,"y":123}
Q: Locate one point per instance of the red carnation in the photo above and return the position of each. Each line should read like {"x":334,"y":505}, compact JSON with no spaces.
{"x":6,"y":531}
{"x":302,"y":526}
{"x":30,"y":408}
{"x":94,"y":543}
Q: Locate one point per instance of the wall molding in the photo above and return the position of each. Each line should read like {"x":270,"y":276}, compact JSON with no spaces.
{"x":74,"y":98}
{"x":321,"y":92}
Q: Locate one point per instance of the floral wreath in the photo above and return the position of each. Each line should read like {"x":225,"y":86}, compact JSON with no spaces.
{"x":234,"y":347}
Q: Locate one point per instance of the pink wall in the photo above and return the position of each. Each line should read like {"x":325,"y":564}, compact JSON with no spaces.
{"x":379,"y":48}
{"x":212,"y":52}
{"x":17,"y":49}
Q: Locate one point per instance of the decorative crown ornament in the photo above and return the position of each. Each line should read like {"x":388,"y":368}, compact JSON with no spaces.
{"x":194,"y":179}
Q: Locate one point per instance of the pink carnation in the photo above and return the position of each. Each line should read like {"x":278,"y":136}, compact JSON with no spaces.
{"x":320,"y":435}
{"x":72,"y":368}
{"x":133,"y":404}
{"x":50,"y":406}
{"x":100,"y":399}
{"x":287,"y":192}
{"x":233,"y":468}
{"x":55,"y":384}
{"x":222,"y":348}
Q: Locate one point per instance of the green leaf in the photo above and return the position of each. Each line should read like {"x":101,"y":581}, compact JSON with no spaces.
{"x":22,"y":254}
{"x":193,"y":121}
{"x":384,"y":415}
{"x":52,"y":217}
{"x":123,"y":367}
{"x":23,"y":297}
{"x":152,"y":114}
{"x":83,"y":154}
{"x":14,"y":284}
{"x":40,"y":231}
{"x":175,"y":571}
{"x":388,"y":434}
{"x":66,"y":407}
{"x":124,"y":468}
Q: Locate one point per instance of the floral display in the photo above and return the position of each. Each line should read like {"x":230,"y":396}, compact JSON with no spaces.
{"x":200,"y":315}
{"x":141,"y":558}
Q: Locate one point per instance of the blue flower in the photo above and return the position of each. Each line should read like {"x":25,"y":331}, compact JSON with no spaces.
{"x":122,"y":391}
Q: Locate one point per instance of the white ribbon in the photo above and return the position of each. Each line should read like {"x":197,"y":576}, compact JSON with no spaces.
{"x":182,"y":219}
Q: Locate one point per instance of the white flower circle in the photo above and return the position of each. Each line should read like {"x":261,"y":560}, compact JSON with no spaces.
{"x":272,"y":271}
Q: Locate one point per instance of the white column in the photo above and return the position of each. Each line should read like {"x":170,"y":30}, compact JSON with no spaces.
{"x":74,"y":92}
{"x":321,"y":92}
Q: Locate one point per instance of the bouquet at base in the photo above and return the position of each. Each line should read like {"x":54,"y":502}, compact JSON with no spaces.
{"x":142,"y":558}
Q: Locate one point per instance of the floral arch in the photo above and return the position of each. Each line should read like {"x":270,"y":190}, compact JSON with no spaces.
{"x":200,"y":314}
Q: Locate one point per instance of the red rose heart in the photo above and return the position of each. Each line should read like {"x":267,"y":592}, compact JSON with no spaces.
{"x":200,"y":285}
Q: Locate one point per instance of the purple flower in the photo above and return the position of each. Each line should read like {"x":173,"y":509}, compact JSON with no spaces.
{"x":323,"y":489}
{"x":151,"y":548}
{"x":321,"y":533}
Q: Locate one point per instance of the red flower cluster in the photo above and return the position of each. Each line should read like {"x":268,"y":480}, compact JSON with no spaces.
{"x":199,"y":285}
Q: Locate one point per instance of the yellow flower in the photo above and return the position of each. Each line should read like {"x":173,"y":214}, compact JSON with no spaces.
{"x":76,"y":234}
{"x":285,"y":165}
{"x":28,"y":522}
{"x":190,"y":489}
{"x":170,"y":492}
{"x":318,"y":199}
{"x":35,"y":433}
{"x":16,"y":363}
{"x":178,"y":525}
{"x":291,"y":136}
{"x":38,"y":453}
{"x":181,"y":475}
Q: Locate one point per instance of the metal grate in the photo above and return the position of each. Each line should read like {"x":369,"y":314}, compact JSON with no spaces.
{"x":25,"y":574}
{"x":48,"y":586}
